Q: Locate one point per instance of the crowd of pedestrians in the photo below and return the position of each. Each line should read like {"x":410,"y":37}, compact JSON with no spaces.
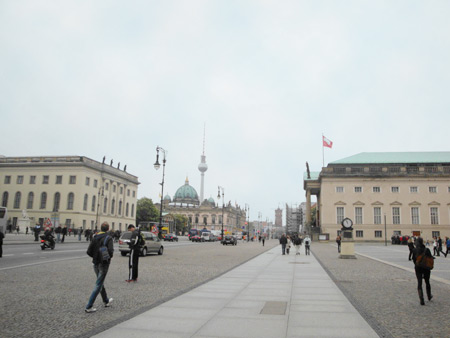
{"x":296,"y":240}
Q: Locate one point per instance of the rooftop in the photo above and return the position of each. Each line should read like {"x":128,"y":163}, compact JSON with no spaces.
{"x":396,"y":158}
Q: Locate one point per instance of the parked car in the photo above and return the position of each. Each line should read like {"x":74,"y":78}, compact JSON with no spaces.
{"x":171,"y":238}
{"x":229,"y":240}
{"x":197,"y":238}
{"x":208,"y":237}
{"x":152,"y":244}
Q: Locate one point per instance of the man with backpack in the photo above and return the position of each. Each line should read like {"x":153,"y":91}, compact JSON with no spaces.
{"x":101,"y":250}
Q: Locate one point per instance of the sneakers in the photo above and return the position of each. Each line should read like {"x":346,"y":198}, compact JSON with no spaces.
{"x":90,"y":310}
{"x":109,"y":302}
{"x":131,"y":280}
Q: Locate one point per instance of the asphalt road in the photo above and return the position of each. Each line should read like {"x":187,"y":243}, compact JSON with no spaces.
{"x":44,"y":293}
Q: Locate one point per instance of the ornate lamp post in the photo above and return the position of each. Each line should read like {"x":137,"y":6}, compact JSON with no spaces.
{"x":223,"y":203}
{"x":101,"y":192}
{"x":157,"y":166}
{"x":247,"y":212}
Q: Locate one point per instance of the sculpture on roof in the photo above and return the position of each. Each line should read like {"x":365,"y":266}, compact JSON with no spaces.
{"x":307,"y":170}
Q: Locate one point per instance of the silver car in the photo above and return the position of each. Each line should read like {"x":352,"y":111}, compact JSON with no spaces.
{"x":152,"y":244}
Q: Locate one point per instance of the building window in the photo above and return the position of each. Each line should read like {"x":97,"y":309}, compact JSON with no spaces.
{"x":128,"y":192}
{"x":85,"y":201}
{"x":415,"y":215}
{"x":88,"y":181}
{"x":59,"y":179}
{"x":395,"y":189}
{"x":134,"y":193}
{"x":120,"y":208}
{"x":72,"y":180}
{"x":205,"y":220}
{"x":358,"y":189}
{"x":377,"y":215}
{"x":30,"y":200}
{"x":339,"y":215}
{"x":132,"y":210}
{"x":376,"y":189}
{"x":434,"y":214}
{"x":113,"y":206}
{"x":358,"y":215}
{"x":84,"y":224}
{"x":126,"y":209}
{"x":95,"y":183}
{"x":220,"y":219}
{"x":68,"y":222}
{"x":105,"y":204}
{"x":93,"y":203}
{"x":359,"y":234}
{"x":20,"y":179}
{"x":56,"y":202}
{"x":32,"y":179}
{"x":106,"y":186}
{"x":5,"y":199}
{"x":114,"y":188}
{"x":17,"y":198}
{"x":43,"y":200}
{"x":196,"y":219}
{"x":378,"y":233}
{"x":121,"y":190}
{"x":7,"y":179}
{"x":339,"y":189}
{"x":395,"y":215}
{"x":213,"y":219}
{"x":413,"y":190}
{"x":432,"y":190}
{"x":435,"y":234}
{"x":45,"y":179}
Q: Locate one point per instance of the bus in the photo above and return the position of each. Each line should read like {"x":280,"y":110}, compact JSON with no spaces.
{"x":3,"y":219}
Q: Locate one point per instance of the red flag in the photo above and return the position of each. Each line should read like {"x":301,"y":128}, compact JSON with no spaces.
{"x":326,"y":142}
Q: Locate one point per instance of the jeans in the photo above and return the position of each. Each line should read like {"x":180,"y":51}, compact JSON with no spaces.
{"x":283,"y":248}
{"x":100,"y":270}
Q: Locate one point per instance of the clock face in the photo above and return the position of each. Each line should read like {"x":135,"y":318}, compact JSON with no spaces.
{"x":347,"y":223}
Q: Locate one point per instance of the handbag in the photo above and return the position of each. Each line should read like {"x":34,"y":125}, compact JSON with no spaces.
{"x":425,"y":262}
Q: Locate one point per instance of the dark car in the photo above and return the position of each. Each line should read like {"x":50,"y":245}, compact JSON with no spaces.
{"x":229,"y":240}
{"x":197,"y":238}
{"x":171,"y":238}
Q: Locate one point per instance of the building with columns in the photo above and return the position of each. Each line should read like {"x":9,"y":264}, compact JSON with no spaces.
{"x":385,"y":194}
{"x":69,"y":190}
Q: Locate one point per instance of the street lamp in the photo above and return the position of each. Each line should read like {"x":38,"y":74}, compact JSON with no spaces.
{"x":157,"y":166}
{"x":223,"y":202}
{"x":102,"y":191}
{"x":247,"y":212}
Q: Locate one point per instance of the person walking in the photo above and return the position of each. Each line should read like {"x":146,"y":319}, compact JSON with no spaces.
{"x":135,"y":246}
{"x":307,"y":246}
{"x":422,"y":272}
{"x":263,"y":239}
{"x":64,"y":233}
{"x":58,"y":234}
{"x":447,"y":244}
{"x":440,"y":246}
{"x":2,"y":235}
{"x":297,"y":243}
{"x":411,"y":248}
{"x":435,"y":247}
{"x":288,"y":245}
{"x":338,"y":241}
{"x":283,"y":242}
{"x":101,"y":266}
{"x":80,"y":231}
{"x":26,"y":231}
{"x":37,"y":230}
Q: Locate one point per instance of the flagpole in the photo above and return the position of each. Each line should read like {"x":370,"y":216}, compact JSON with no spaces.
{"x":323,"y":154}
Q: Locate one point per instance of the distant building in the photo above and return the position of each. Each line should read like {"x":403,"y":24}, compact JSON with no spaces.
{"x":69,"y":190}
{"x":294,"y":219}
{"x":406,"y":192}
{"x":278,"y":217}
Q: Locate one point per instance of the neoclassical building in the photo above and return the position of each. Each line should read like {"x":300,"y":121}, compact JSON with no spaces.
{"x":385,"y":194}
{"x":206,"y":214}
{"x":69,"y":190}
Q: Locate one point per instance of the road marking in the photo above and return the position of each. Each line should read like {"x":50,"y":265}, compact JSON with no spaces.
{"x":38,"y":263}
{"x":28,"y":253}
{"x":8,"y":255}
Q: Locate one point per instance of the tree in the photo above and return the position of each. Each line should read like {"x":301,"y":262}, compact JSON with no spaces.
{"x":146,"y":211}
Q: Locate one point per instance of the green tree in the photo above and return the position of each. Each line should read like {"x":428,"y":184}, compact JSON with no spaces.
{"x":181,"y":222}
{"x":146,"y":211}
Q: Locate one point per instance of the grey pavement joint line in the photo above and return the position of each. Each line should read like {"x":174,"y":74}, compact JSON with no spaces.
{"x":43,"y":262}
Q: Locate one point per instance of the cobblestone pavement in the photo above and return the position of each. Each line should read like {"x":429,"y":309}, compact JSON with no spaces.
{"x":386,"y":296}
{"x":49,"y":301}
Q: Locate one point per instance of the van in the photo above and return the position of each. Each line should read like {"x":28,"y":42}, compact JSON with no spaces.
{"x":206,"y":236}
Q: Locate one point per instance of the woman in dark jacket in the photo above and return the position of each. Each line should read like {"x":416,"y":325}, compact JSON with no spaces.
{"x":422,"y":272}
{"x":411,"y":247}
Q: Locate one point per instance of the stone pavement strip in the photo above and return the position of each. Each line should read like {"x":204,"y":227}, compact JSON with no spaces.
{"x":269,"y":296}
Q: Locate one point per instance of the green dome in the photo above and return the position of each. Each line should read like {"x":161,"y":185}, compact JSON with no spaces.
{"x":211,"y":200}
{"x":186,"y":194}
{"x":167,"y":198}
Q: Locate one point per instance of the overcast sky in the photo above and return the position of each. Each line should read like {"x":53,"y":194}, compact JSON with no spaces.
{"x":267,"y":78}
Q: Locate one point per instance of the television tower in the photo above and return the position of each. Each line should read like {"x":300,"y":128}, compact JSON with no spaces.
{"x":202,"y":167}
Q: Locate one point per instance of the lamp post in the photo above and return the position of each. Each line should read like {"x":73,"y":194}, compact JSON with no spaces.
{"x":223,"y":202}
{"x":102,"y":191}
{"x":247,"y":212}
{"x":157,"y":166}
{"x":385,"y":236}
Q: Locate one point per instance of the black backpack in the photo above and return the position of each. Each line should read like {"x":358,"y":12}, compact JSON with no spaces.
{"x":103,"y":252}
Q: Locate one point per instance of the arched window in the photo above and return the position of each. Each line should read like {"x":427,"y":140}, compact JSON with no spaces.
{"x":5,"y":199}
{"x":56,"y":201}
{"x":17,"y":200}
{"x":126,"y":209}
{"x":30,"y":200}
{"x":132,"y":210}
{"x":113,"y":206}
{"x":70,"y":200}
{"x":43,"y":200}
{"x":93,"y":203}
{"x":120,"y":208}
{"x":196,"y":219}
{"x":85,"y":202}
{"x":105,"y":205}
